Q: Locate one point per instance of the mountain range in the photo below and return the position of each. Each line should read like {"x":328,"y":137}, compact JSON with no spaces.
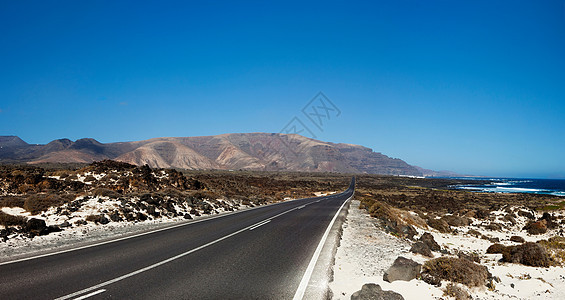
{"x":248,"y":151}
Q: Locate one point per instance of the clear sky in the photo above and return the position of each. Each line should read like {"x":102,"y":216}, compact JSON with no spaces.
{"x":476,"y":87}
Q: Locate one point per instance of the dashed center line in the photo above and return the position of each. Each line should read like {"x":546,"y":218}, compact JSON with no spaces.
{"x":90,"y":295}
{"x":260,"y":224}
{"x":103,"y":284}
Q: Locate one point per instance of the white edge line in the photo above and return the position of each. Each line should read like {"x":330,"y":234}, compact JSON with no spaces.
{"x":310,"y":269}
{"x":144,"y":233}
{"x":90,"y":295}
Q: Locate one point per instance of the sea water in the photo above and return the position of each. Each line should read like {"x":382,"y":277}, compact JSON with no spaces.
{"x":554,"y":187}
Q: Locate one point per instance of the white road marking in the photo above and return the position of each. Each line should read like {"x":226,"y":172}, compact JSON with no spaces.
{"x":301,"y":207}
{"x":90,"y":295}
{"x":306,"y":278}
{"x":260,"y":224}
{"x":103,"y":284}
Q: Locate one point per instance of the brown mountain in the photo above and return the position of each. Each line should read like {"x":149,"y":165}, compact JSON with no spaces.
{"x":251,"y":151}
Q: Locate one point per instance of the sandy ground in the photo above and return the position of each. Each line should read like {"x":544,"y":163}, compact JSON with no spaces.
{"x":366,"y":252}
{"x":18,"y":246}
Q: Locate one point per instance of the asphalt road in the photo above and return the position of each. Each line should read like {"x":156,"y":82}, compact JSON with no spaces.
{"x":262,"y":253}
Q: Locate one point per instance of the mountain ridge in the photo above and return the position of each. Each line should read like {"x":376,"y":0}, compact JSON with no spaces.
{"x":247,"y":151}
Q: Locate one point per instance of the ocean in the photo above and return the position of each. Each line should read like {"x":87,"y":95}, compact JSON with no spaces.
{"x":554,"y":187}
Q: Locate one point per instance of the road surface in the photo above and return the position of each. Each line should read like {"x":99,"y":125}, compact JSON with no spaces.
{"x":262,"y":253}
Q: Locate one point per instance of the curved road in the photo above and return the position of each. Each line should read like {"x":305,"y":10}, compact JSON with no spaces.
{"x":262,"y":253}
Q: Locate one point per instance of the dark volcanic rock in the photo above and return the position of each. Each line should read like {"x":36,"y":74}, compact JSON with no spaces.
{"x":421,"y":248}
{"x":402,"y":269}
{"x":371,"y":291}
{"x":429,"y":240}
{"x":539,"y":227}
{"x":36,"y":226}
{"x":517,"y":239}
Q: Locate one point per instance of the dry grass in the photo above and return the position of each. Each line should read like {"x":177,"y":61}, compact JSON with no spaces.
{"x":456,"y":270}
{"x":452,"y":290}
{"x":555,"y":246}
{"x":10,"y":220}
{"x":38,"y":203}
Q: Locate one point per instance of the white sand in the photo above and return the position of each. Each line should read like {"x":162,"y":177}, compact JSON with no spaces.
{"x":366,"y":251}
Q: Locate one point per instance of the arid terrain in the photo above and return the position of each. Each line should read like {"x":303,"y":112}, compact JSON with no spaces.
{"x":456,"y":242}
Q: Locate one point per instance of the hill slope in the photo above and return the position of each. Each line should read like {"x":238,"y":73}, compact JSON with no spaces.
{"x":249,"y":151}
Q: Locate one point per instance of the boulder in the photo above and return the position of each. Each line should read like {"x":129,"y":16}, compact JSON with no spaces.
{"x":115,"y":216}
{"x":496,"y":248}
{"x":517,"y":239}
{"x":539,"y":227}
{"x":550,"y":220}
{"x":371,"y":291}
{"x":187,"y":216}
{"x":408,"y":231}
{"x":429,"y":240}
{"x":474,"y":257}
{"x":494,"y":227}
{"x":526,"y":214}
{"x":421,"y":248}
{"x":36,"y":226}
{"x":402,"y":269}
{"x":103,"y":220}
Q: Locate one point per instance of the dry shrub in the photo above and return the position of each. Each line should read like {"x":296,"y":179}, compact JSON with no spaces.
{"x":38,"y":203}
{"x":529,"y":254}
{"x":555,"y":246}
{"x":90,"y":178}
{"x":439,"y":224}
{"x":456,"y":221}
{"x":12,"y":201}
{"x":456,"y":292}
{"x":394,"y":220}
{"x":97,"y":219}
{"x":62,"y":173}
{"x":172,"y":193}
{"x":11,"y":220}
{"x":104,"y":192}
{"x":205,"y":195}
{"x":455,"y":270}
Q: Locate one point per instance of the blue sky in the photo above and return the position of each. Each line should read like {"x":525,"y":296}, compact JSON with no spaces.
{"x":477,"y":87}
